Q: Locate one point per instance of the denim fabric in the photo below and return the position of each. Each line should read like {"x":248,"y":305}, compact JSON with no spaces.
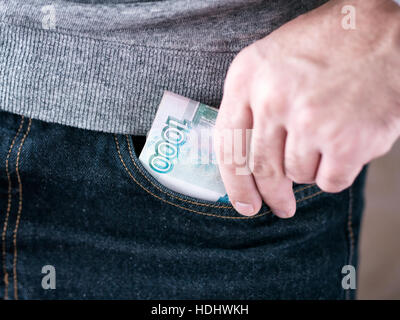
{"x":81,"y":201}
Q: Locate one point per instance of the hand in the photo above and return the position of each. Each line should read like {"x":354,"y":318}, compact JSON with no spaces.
{"x":322,"y":102}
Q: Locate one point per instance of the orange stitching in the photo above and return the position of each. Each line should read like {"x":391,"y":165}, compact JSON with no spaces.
{"x":154,"y":195}
{"x":192,"y":210}
{"x":309,"y":197}
{"x":163,"y":191}
{"x":179,"y":198}
{"x":5,"y":225}
{"x":304,"y":188}
{"x":350,"y":233}
{"x":19,"y":211}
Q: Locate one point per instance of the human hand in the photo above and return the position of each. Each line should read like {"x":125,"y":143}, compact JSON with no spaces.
{"x":321,"y":101}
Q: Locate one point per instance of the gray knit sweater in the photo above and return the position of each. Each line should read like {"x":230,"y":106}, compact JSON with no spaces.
{"x":104,"y":64}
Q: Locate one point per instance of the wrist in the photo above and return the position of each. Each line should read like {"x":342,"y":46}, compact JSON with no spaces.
{"x":390,"y":9}
{"x":377,"y":21}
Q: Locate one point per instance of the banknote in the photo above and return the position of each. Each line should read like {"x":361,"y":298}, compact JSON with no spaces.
{"x":178,"y":151}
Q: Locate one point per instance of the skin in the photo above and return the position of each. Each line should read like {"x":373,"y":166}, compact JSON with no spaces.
{"x":322,"y":101}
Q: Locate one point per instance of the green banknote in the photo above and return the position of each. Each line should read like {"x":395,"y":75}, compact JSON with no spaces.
{"x":178,"y":151}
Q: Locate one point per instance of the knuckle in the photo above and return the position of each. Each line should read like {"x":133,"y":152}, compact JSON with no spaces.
{"x":278,"y":108}
{"x":305,"y":120}
{"x":387,"y":124}
{"x":238,"y":70}
{"x":242,"y":55}
{"x":268,"y":104}
{"x":291,"y":163}
{"x":262,"y":169}
{"x":382,"y":147}
{"x":298,"y":175}
{"x":305,"y":117}
{"x":297,"y":171}
{"x":333,"y":183}
{"x":292,"y":171}
{"x":267,"y":98}
{"x":341,"y":149}
{"x":307,"y":102}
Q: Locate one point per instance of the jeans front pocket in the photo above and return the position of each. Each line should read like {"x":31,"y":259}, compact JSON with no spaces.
{"x":138,"y":174}
{"x":214,"y":252}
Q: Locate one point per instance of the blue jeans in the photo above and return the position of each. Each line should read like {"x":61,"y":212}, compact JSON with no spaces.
{"x":80,"y":201}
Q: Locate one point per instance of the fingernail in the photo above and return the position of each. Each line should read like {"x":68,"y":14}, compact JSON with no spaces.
{"x":283,"y":214}
{"x":246,"y":209}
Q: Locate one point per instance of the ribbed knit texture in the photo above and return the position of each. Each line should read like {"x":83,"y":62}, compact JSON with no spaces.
{"x":104,"y":65}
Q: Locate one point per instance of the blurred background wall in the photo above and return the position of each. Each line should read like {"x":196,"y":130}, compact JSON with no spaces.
{"x":379,"y":271}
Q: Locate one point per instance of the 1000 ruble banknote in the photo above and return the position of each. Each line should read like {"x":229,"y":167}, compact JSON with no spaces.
{"x":178,"y":151}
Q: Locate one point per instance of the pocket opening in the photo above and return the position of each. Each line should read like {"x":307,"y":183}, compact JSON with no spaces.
{"x":129,"y":159}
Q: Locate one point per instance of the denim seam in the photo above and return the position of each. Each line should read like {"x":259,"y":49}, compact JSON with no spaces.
{"x":8,"y":210}
{"x":192,"y":210}
{"x":17,"y":222}
{"x":350,"y":234}
{"x":182,"y":199}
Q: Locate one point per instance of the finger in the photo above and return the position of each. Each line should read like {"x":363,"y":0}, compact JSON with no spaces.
{"x":268,"y":143}
{"x":336,"y":174}
{"x":301,"y":158}
{"x":234,"y":118}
